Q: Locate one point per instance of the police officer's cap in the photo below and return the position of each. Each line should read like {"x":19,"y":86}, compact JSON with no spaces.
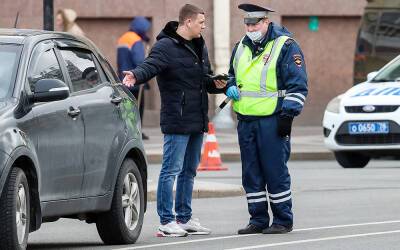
{"x":254,"y":13}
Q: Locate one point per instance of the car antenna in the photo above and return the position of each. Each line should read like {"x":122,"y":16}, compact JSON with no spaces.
{"x":16,"y":20}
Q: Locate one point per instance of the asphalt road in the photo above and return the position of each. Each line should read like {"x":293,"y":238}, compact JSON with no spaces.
{"x":334,"y":208}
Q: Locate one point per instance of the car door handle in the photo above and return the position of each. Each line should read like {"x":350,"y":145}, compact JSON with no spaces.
{"x":116,"y":100}
{"x":73,"y":112}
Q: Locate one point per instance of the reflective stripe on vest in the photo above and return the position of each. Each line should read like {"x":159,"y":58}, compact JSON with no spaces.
{"x":238,"y":54}
{"x":259,"y":92}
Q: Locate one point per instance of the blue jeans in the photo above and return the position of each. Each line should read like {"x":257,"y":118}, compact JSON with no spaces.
{"x":181,"y":158}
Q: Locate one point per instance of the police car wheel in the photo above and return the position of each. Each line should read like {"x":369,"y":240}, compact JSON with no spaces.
{"x":351,"y":159}
{"x":123,"y":223}
{"x":15,"y":211}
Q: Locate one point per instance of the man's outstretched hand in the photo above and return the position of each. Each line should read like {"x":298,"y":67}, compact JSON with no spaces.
{"x":129,"y":79}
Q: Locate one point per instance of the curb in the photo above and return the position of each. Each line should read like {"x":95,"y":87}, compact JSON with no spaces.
{"x":220,"y":190}
{"x":235,"y":156}
{"x":205,"y":190}
{"x":310,"y":156}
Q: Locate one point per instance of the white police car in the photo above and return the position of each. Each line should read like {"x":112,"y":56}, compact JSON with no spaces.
{"x":364,"y":122}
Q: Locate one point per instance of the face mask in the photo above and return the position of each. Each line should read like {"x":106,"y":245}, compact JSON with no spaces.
{"x":255,"y":36}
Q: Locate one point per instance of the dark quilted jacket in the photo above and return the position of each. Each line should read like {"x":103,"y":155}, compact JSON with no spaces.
{"x":182,"y":80}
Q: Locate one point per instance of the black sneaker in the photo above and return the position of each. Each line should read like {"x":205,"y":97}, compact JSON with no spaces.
{"x":278,"y":229}
{"x":250,"y":229}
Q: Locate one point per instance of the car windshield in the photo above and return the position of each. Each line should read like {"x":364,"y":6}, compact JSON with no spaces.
{"x":9,"y":58}
{"x":390,"y":74}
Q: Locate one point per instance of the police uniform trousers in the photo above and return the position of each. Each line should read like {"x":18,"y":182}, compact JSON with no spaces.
{"x":265,"y":176}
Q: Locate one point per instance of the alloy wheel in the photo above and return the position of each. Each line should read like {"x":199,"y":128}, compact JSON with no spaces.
{"x":131,"y":201}
{"x":21,"y":213}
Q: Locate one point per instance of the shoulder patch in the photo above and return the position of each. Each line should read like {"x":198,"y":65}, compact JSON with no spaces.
{"x":289,"y":41}
{"x":297,"y":60}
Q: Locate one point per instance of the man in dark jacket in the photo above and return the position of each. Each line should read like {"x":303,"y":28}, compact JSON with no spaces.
{"x":131,"y":52}
{"x":179,"y":58}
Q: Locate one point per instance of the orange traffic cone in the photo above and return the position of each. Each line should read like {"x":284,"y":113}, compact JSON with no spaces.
{"x":211,"y":159}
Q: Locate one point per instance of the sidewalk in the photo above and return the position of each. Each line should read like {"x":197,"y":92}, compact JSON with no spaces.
{"x":307,"y":144}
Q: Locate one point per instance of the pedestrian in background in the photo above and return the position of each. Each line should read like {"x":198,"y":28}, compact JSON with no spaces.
{"x":268,"y":82}
{"x":65,"y":21}
{"x":131,"y":52}
{"x":179,"y":58}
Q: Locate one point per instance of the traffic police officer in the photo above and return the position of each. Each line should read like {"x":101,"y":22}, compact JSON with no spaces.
{"x":268,"y":83}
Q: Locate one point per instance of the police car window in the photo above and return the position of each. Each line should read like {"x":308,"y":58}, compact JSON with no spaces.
{"x":388,"y":34}
{"x":44,"y":65}
{"x":81,"y":69}
{"x":390,"y":73}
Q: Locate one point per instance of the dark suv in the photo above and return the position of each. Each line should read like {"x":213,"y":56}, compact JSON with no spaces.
{"x":70,"y":140}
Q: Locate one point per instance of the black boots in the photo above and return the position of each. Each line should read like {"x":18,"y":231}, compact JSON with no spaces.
{"x":278,"y":229}
{"x":273,"y":229}
{"x":250,"y":229}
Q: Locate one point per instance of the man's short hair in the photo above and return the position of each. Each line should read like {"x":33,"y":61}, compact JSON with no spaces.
{"x":189,"y":11}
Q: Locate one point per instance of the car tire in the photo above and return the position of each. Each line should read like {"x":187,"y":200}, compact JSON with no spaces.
{"x":15,"y":211}
{"x":351,"y":159}
{"x":115,"y":226}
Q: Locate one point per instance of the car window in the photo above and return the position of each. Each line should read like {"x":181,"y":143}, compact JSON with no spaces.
{"x":81,"y":69}
{"x":102,"y":74}
{"x":390,"y":73}
{"x":366,"y":39}
{"x":9,"y":56}
{"x":388,"y":34}
{"x":44,"y":65}
{"x":110,"y":71}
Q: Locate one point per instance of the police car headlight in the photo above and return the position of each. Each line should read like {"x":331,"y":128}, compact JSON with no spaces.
{"x":334,"y":105}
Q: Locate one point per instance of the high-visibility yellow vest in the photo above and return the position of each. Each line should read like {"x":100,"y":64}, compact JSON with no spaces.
{"x":256,"y":78}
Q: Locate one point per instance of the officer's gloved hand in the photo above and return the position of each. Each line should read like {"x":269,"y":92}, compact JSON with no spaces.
{"x":233,"y":93}
{"x":284,"y":125}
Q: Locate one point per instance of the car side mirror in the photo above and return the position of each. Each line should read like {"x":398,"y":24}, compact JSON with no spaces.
{"x":48,"y":90}
{"x":371,"y":75}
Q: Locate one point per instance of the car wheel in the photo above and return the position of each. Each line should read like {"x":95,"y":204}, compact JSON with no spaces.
{"x":123,"y":223}
{"x":15,"y":211}
{"x":351,"y":159}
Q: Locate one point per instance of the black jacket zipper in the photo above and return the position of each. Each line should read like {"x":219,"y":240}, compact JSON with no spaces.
{"x":182,"y":102}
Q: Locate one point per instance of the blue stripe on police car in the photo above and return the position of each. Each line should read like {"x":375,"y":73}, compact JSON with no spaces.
{"x":378,"y":91}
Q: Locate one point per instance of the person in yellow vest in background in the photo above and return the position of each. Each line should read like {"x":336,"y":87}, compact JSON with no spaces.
{"x":131,"y":52}
{"x":268,"y":85}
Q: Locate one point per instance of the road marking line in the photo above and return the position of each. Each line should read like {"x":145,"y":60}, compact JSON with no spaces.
{"x":348,"y":225}
{"x":185,"y":242}
{"x":247,"y":235}
{"x":315,"y":240}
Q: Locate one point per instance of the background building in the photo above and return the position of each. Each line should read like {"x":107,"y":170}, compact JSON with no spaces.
{"x":326,"y":30}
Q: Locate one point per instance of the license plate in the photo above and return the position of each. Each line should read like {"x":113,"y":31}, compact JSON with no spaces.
{"x":368,"y":127}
